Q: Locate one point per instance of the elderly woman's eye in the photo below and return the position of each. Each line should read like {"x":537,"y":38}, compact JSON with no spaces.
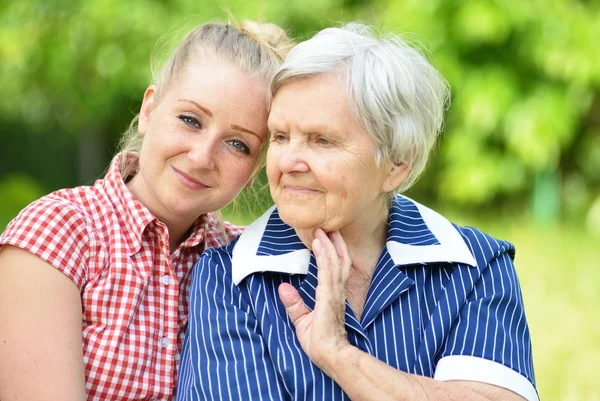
{"x":324,"y":141}
{"x":278,"y":137}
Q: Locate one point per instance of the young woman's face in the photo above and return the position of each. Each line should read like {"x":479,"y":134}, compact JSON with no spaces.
{"x":202,"y":139}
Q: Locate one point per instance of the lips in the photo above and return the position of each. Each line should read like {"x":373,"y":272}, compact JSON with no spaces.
{"x":300,"y":189}
{"x":189,"y":181}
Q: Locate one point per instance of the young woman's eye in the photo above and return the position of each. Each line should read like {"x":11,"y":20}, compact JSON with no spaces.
{"x":240,"y":146}
{"x":189,"y":120}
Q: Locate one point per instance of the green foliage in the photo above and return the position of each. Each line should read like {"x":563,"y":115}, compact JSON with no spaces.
{"x":525,"y":82}
{"x":251,"y":203}
{"x":16,"y":190}
{"x":524,"y":74}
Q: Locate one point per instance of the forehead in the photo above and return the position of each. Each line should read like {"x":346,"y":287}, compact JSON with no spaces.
{"x":315,"y":98}
{"x":316,"y":104}
{"x":213,"y":75}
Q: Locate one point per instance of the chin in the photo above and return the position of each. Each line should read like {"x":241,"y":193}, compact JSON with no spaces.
{"x":182,"y":207}
{"x":299,"y":219}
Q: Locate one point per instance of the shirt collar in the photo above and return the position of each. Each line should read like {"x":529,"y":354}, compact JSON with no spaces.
{"x":416,"y":235}
{"x":135,"y":216}
{"x":205,"y":225}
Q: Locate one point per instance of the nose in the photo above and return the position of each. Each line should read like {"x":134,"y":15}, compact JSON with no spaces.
{"x":202,"y":152}
{"x":293,"y":157}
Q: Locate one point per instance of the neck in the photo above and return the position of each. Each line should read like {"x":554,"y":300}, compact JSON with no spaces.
{"x":178,"y":230}
{"x":364,"y":243}
{"x":364,"y":237}
{"x":177,"y":225}
{"x":177,"y":234}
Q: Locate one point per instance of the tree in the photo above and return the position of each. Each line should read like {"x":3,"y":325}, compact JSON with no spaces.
{"x":523,"y":124}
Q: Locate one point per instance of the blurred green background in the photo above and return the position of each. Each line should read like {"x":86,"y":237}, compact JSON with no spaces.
{"x":520,"y":157}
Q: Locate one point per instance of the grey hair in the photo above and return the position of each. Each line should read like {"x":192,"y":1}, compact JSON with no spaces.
{"x":394,"y":92}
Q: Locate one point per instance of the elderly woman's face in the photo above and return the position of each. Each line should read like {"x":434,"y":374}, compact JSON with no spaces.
{"x":321,"y":162}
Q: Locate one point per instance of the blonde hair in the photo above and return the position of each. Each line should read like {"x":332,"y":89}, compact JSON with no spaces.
{"x":255,"y":48}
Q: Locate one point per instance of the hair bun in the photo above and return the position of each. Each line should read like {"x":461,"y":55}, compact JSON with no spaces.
{"x":269,"y":36}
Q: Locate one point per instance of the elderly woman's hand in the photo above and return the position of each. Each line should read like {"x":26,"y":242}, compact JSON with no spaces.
{"x":321,"y":333}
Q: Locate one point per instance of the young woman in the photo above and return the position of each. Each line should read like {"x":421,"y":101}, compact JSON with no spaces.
{"x":94,"y":280}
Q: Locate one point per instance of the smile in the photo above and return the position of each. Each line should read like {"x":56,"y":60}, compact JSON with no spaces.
{"x":189,"y":181}
{"x":296,"y":190}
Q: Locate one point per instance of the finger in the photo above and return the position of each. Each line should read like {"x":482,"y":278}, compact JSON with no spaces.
{"x":342,"y":253}
{"x":328,"y":248}
{"x":330,"y":258}
{"x":323,"y":268}
{"x":293,"y":302}
{"x":334,"y":260}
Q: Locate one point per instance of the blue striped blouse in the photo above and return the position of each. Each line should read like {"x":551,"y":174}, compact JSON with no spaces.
{"x":444,"y":302}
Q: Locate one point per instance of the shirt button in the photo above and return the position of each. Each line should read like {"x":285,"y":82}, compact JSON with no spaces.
{"x":166,"y":279}
{"x":163,"y":342}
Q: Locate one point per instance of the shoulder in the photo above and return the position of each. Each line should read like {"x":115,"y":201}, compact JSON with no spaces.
{"x":495,"y":274}
{"x":219,"y":254}
{"x":53,"y":213}
{"x":212,"y":273}
{"x":216,"y":260}
{"x":485,"y":247}
{"x":218,"y":231}
{"x":482,"y":247}
{"x":58,"y":229}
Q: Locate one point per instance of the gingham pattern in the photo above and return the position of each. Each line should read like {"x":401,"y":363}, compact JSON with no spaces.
{"x":134,"y":294}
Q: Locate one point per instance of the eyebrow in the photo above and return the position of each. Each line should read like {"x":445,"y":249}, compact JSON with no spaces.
{"x":242,"y":129}
{"x":209,"y":113}
{"x":204,"y":109}
{"x":314,"y":129}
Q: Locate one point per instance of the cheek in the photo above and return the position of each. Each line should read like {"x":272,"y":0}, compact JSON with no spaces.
{"x":147,"y":155}
{"x":338,"y":178}
{"x":161,"y":138}
{"x":272,"y":166}
{"x":344,"y":186}
{"x":334,"y":176}
{"x":344,"y":183}
{"x":238,"y":172}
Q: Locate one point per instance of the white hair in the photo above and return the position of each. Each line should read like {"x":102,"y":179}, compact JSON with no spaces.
{"x":395,"y":93}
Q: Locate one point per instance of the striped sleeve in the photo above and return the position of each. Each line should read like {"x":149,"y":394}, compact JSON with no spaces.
{"x":489,"y":341}
{"x":55,"y":231}
{"x":224,"y":356}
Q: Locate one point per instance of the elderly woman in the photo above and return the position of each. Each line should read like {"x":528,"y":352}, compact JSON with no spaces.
{"x":344,"y":289}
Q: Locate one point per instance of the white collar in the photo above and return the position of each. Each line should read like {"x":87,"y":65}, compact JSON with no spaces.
{"x":451,"y":248}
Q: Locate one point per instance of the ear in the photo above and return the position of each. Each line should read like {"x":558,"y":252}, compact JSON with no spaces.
{"x":148,"y":105}
{"x":396,"y":175}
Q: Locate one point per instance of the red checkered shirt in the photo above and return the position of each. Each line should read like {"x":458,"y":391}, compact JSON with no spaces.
{"x":134,"y":294}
